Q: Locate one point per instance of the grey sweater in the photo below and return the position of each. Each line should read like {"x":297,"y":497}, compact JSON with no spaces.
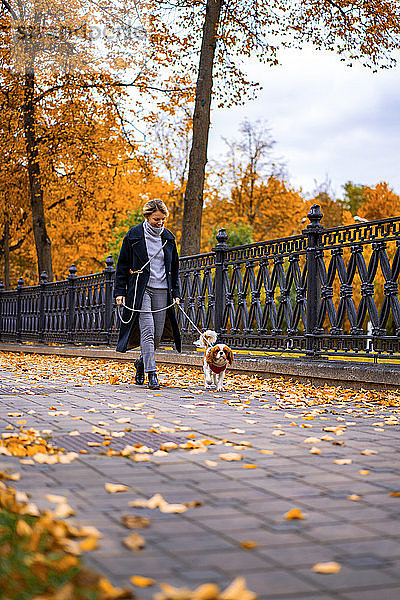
{"x":152,"y":236}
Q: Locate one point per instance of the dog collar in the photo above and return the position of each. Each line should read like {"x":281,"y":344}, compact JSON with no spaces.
{"x":217,"y":369}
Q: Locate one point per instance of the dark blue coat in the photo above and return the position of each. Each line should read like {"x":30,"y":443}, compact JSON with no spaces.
{"x":133,"y":255}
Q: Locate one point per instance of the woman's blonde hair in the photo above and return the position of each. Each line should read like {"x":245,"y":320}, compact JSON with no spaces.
{"x":153,"y":206}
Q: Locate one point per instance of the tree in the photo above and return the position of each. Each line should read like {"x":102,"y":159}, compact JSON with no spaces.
{"x":226,"y":32}
{"x":248,"y":189}
{"x":380,"y":202}
{"x":65,"y":98}
{"x":331,"y":208}
{"x":353,"y":197}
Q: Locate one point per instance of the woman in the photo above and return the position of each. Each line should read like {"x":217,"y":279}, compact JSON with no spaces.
{"x":147,"y":279}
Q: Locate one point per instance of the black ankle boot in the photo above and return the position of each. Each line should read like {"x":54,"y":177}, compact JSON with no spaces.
{"x":139,"y":366}
{"x":153,"y":381}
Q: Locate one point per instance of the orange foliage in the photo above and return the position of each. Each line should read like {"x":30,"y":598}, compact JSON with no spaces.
{"x":380,"y":202}
{"x":273,"y":210}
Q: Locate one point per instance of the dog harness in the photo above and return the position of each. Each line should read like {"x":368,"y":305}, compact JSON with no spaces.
{"x":217,"y":370}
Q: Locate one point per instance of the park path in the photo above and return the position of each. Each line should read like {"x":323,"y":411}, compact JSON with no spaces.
{"x":241,"y":501}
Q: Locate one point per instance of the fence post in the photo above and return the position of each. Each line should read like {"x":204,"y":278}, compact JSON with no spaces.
{"x":42,"y":282}
{"x":71,"y":303}
{"x":314,"y":233}
{"x":219,"y":300}
{"x":1,"y":307}
{"x":108,"y":299}
{"x":18,"y":324}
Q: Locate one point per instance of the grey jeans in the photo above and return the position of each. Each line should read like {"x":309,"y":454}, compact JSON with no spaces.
{"x":151,"y":325}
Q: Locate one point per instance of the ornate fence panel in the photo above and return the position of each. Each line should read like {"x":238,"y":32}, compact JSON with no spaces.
{"x":358,"y":268}
{"x":324,"y":292}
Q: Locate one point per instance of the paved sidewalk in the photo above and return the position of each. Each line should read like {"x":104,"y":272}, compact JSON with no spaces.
{"x":238,"y":503}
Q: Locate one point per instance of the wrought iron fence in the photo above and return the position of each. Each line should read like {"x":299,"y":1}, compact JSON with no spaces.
{"x":325,"y":292}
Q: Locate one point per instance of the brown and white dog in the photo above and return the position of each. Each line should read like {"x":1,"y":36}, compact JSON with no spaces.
{"x":216,"y":359}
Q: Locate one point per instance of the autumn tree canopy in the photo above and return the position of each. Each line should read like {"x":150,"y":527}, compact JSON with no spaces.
{"x":215,"y":36}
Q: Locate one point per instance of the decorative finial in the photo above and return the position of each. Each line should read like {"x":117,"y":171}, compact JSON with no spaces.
{"x":222,"y":237}
{"x":315,"y":215}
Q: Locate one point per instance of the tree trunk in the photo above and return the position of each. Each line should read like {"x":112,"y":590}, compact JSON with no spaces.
{"x":193,"y":206}
{"x":42,"y":240}
{"x":7,"y":284}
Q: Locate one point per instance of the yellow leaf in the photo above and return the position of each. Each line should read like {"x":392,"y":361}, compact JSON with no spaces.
{"x":327,"y":567}
{"x":395,"y":494}
{"x":363,"y":472}
{"x":134,"y":541}
{"x":90,"y":543}
{"x":230,"y":456}
{"x":249,"y":466}
{"x":315,"y":450}
{"x":343,"y":461}
{"x":141,"y":582}
{"x":368,"y":452}
{"x":211,"y":463}
{"x":207,"y":591}
{"x":172,"y":508}
{"x":237,"y":590}
{"x":22,"y":528}
{"x":294,"y":513}
{"x":267,"y":452}
{"x":63,"y":511}
{"x":248,"y":544}
{"x":353,"y":497}
{"x":54,"y":498}
{"x":113,"y":488}
{"x":311,"y":440}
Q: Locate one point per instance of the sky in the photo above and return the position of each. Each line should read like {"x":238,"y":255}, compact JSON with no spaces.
{"x":329,"y":121}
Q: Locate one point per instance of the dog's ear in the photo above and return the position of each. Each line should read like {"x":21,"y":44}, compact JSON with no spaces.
{"x":229,"y":355}
{"x":210,"y":356}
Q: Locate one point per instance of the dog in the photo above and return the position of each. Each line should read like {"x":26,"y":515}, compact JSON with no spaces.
{"x":216,"y":359}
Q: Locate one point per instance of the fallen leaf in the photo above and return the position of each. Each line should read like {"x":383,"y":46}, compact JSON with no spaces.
{"x":327,"y":567}
{"x":63,"y":511}
{"x":294,"y":513}
{"x":141,"y":582}
{"x":89,"y":543}
{"x":206,"y":591}
{"x":395,"y":494}
{"x":368,"y":452}
{"x":343,"y":461}
{"x":237,"y":590}
{"x":116,"y":487}
{"x":230,"y":456}
{"x":248,"y":544}
{"x":363,"y":472}
{"x":134,"y":541}
{"x":353,"y":497}
{"x":56,"y":499}
{"x":315,"y":450}
{"x":135,"y":522}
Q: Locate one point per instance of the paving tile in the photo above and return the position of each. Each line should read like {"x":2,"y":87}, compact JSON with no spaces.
{"x":382,"y":593}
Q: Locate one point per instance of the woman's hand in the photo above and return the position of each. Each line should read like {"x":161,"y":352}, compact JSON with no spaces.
{"x":120,"y":300}
{"x":177,"y":300}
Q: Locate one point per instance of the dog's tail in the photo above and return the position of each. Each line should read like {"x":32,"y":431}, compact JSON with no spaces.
{"x":208,"y":338}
